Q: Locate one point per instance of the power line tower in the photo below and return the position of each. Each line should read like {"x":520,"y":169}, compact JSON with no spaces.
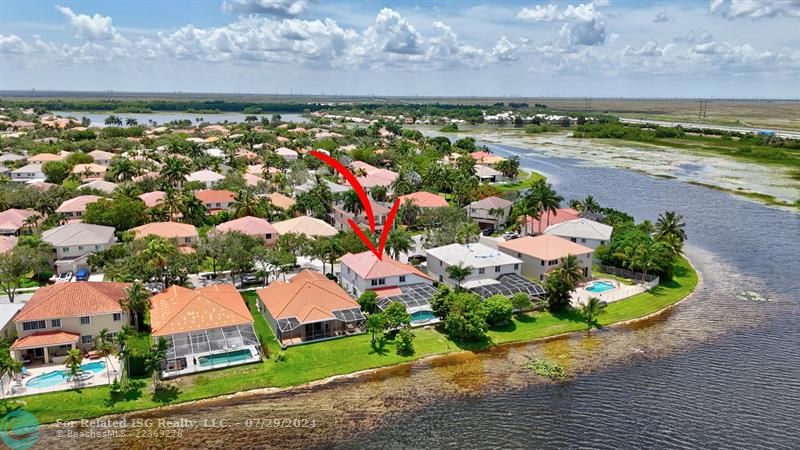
{"x":587,"y":104}
{"x":703,"y":111}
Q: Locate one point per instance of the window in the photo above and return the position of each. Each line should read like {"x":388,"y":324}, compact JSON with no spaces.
{"x":441,"y":278}
{"x":117,"y":317}
{"x":381,"y":281}
{"x":348,"y":270}
{"x":80,"y":249}
{"x":97,"y":248}
{"x":86,"y":339}
{"x":519,"y":255}
{"x":85,"y":320}
{"x":573,"y":239}
{"x":542,"y":262}
{"x":187,"y":240}
{"x":65,"y":347}
{"x":440,"y":263}
{"x":541,"y":277}
{"x":66,"y":250}
{"x":55,"y":323}
{"x":481,"y":271}
{"x":34,"y":325}
{"x":373,"y":282}
{"x":269,"y":236}
{"x":583,"y":241}
{"x":402,"y":278}
{"x":516,"y":266}
{"x":496,"y":269}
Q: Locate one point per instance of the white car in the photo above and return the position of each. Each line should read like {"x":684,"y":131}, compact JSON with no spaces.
{"x":64,"y":277}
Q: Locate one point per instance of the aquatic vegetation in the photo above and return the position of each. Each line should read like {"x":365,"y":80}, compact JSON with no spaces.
{"x":752,"y":296}
{"x":548,"y":369}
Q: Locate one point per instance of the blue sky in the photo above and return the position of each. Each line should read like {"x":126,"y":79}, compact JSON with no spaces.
{"x":712,"y":48}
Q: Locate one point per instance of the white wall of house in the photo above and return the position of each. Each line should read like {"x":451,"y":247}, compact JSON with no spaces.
{"x":355,"y":285}
{"x":78,"y":250}
{"x":591,"y":243}
{"x":534,"y":268}
{"x":482,"y":215}
{"x":88,"y":327}
{"x":437,"y":269}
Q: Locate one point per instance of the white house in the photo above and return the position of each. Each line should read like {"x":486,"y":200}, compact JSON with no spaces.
{"x":363,"y":272}
{"x":542,"y":254}
{"x":490,"y":212}
{"x":74,"y":242}
{"x":582,"y":231}
{"x":28,"y":172}
{"x":485,"y":263}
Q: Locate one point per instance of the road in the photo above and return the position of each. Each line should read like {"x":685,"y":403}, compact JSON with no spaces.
{"x":780,"y":133}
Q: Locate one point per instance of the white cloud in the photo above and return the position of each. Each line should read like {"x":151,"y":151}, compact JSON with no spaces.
{"x":539,"y":13}
{"x":94,"y":27}
{"x":583,"y":25}
{"x":391,"y":33}
{"x":663,"y":17}
{"x":755,"y":9}
{"x":506,"y":50}
{"x":278,"y":8}
{"x":695,"y":38}
{"x":650,"y":49}
{"x":12,"y":44}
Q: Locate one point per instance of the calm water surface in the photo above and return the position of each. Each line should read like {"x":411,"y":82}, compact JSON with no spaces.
{"x":717,"y":371}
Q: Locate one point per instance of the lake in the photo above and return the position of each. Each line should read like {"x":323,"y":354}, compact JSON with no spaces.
{"x":98,"y":118}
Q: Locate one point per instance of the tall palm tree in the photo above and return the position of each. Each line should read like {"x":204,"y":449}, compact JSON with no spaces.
{"x":123,"y":169}
{"x":670,"y":224}
{"x":32,"y":222}
{"x":546,"y":199}
{"x":136,"y":302}
{"x":498,"y":214}
{"x":408,"y":212}
{"x":172,"y":202}
{"x":527,"y":207}
{"x":245,"y":203}
{"x":155,"y":359}
{"x":157,"y":252}
{"x":73,"y":363}
{"x":192,"y":209}
{"x":571,"y":271}
{"x":398,"y":241}
{"x":589,"y":205}
{"x":126,"y":189}
{"x":175,"y":170}
{"x":104,"y":345}
{"x":121,"y":345}
{"x":352,"y":203}
{"x":459,"y":273}
{"x":590,"y":311}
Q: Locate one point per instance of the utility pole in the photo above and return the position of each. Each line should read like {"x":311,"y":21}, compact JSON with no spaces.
{"x":703,"y":111}
{"x":588,"y":104}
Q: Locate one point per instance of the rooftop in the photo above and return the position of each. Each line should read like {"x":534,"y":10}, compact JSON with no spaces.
{"x":581,"y":228}
{"x":472,"y":255}
{"x":167,"y":230}
{"x":308,"y":297}
{"x":253,"y":226}
{"x":368,"y":266}
{"x":424,"y":200}
{"x":77,"y":204}
{"x":76,"y":234}
{"x":490,"y":203}
{"x":545,"y":247}
{"x":180,"y":310}
{"x":81,"y":298}
{"x":309,"y":226}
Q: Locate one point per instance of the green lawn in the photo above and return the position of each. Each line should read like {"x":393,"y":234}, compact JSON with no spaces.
{"x":310,"y":362}
{"x":524,"y":181}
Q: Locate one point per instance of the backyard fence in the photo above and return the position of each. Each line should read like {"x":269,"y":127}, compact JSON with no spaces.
{"x":649,"y":281}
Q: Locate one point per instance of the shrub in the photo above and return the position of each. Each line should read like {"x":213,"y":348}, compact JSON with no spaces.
{"x":405,"y":342}
{"x":521,"y":301}
{"x":466,"y":319}
{"x":498,"y":309}
{"x":449,"y":128}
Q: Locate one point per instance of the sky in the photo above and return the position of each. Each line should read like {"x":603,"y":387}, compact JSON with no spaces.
{"x":602,"y":48}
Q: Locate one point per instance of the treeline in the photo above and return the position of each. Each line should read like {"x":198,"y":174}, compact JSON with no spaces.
{"x":146,"y":106}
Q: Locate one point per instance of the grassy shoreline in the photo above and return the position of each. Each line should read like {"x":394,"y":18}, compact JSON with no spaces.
{"x":317,"y":361}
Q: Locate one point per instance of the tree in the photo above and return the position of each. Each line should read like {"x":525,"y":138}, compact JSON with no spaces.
{"x":121,"y":344}
{"x":192,"y":209}
{"x":245,"y":203}
{"x":459,"y":273}
{"x":157,"y":254}
{"x":104,"y":346}
{"x":466,"y":319}
{"x":588,"y":205}
{"x":521,"y":301}
{"x":468,"y":232}
{"x":292,"y":243}
{"x":213,"y":246}
{"x":73,"y":363}
{"x":56,"y":171}
{"x":154,"y":360}
{"x":398,"y":241}
{"x":375,"y":324}
{"x":368,"y":301}
{"x":509,"y":167}
{"x":408,"y":212}
{"x":352,"y":203}
{"x":123,"y":169}
{"x":558,"y":292}
{"x":122,"y":213}
{"x":378,"y":193}
{"x":15,"y":266}
{"x":131,"y":122}
{"x":571,"y":271}
{"x":238,"y":253}
{"x":546,"y":200}
{"x":175,"y":170}
{"x":404,"y":342}
{"x":136,"y":303}
{"x":527,"y":207}
{"x":396,"y":317}
{"x":113,"y":120}
{"x":670,"y":224}
{"x":498,"y":309}
{"x":590,"y":311}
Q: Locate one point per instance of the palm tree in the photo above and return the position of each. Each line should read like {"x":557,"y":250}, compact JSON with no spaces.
{"x":172,"y":202}
{"x":123,"y":169}
{"x":104,"y":345}
{"x":175,"y":170}
{"x":590,"y":311}
{"x":571,"y":271}
{"x":73,"y":363}
{"x":245,"y":203}
{"x":136,"y":302}
{"x":32,"y":222}
{"x":374,"y":325}
{"x":398,"y":241}
{"x":131,"y":122}
{"x":121,"y":344}
{"x":527,"y":207}
{"x":154,"y":360}
{"x":587,"y":205}
{"x":192,"y":209}
{"x":408,"y":212}
{"x":670,"y":224}
{"x":459,"y":273}
{"x":498,"y":214}
{"x":352,"y":203}
{"x":546,"y":200}
{"x":157,"y":252}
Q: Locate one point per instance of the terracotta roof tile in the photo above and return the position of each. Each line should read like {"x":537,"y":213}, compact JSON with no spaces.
{"x":167,"y":230}
{"x":545,"y":247}
{"x":83,"y":298}
{"x":424,"y":200}
{"x":45,"y":339}
{"x":215,"y":196}
{"x":307,"y":296}
{"x":368,"y":266}
{"x":253,"y":226}
{"x":181,"y":310}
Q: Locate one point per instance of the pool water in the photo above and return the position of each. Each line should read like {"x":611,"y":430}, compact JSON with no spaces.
{"x":422,"y":316}
{"x":223,"y":358}
{"x":56,"y":377}
{"x":600,"y":286}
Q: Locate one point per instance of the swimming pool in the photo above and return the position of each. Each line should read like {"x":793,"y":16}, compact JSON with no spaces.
{"x":422,"y":316}
{"x":600,"y":286}
{"x":223,"y":358}
{"x":56,"y":377}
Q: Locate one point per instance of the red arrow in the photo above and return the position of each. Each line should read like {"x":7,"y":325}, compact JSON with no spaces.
{"x":362,"y":196}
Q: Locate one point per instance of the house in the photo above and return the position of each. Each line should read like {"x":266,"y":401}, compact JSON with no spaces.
{"x":424,"y":200}
{"x":252,"y":180}
{"x":12,"y":221}
{"x":41,"y":158}
{"x":281,"y":201}
{"x":484,"y":263}
{"x":534,"y":226}
{"x":8,"y":312}
{"x":152,"y":199}
{"x":370,"y":176}
{"x":12,"y":157}
{"x":490,"y":212}
{"x":309,"y":307}
{"x":101,"y":157}
{"x":545,"y":253}
{"x":251,"y":226}
{"x":207,"y":178}
{"x":286,"y":153}
{"x":28,"y":172}
{"x":310,"y":226}
{"x":90,"y":170}
{"x":216,"y":200}
{"x":363,"y":272}
{"x":7,"y":243}
{"x":181,"y":234}
{"x":487,"y":174}
{"x":311,"y":183}
{"x":74,"y":208}
{"x":101,"y":185}
{"x":582,"y":231}
{"x":341,"y":218}
{"x":63,"y":316}
{"x":74,"y":242}
{"x":486,"y":159}
{"x":205,"y":328}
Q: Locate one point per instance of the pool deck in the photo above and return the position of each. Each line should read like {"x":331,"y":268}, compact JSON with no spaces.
{"x":13,"y":389}
{"x":621,"y":291}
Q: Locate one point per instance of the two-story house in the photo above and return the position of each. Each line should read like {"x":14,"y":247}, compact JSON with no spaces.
{"x":216,"y":200}
{"x":582,"y":231}
{"x":483,"y":262}
{"x":74,"y":242}
{"x":64,"y":316}
{"x":181,"y":234}
{"x":491,"y":212}
{"x":28,"y":172}
{"x":74,"y":208}
{"x":251,"y":226}
{"x":341,"y":218}
{"x":545,"y":253}
{"x":101,"y":157}
{"x":363,"y":272}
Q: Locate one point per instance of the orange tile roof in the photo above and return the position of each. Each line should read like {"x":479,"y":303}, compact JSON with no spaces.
{"x":83,"y":298}
{"x":547,"y":219}
{"x":280,"y":200}
{"x":45,"y":157}
{"x":151,"y":199}
{"x":388,"y":292}
{"x":424,"y":200}
{"x":78,"y":203}
{"x":181,"y":310}
{"x":310,"y":226}
{"x":545,"y":247}
{"x":368,"y":266}
{"x":253,"y":226}
{"x":308,"y":297}
{"x":215,"y":196}
{"x":167,"y":230}
{"x":14,"y":219}
{"x":45,"y":339}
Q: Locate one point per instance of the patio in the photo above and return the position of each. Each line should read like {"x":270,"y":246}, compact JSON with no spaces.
{"x":39,"y":377}
{"x":620,"y":291}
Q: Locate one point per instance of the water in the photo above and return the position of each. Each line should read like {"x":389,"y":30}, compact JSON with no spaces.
{"x":57,"y":377}
{"x":600,"y":286}
{"x":222,"y":358}
{"x":716,"y":371}
{"x":161,"y":118}
{"x":422,"y":316}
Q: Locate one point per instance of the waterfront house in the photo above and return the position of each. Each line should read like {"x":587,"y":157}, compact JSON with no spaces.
{"x":545,"y":253}
{"x":216,"y":200}
{"x":74,"y":208}
{"x":361,"y":272}
{"x":309,"y":307}
{"x":74,"y":242}
{"x":251,"y":226}
{"x":582,"y":231}
{"x":309,"y":226}
{"x":13,"y":221}
{"x":28,"y":173}
{"x":206,"y":328}
{"x":490,"y":212}
{"x":484,"y":263}
{"x":63,"y":316}
{"x":534,"y":226}
{"x":487,"y":174}
{"x":8,"y":312}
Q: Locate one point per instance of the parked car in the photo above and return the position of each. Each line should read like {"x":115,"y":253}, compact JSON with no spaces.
{"x":417,"y":259}
{"x":64,"y":277}
{"x":487,"y":231}
{"x":510,"y":236}
{"x":82,"y":275}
